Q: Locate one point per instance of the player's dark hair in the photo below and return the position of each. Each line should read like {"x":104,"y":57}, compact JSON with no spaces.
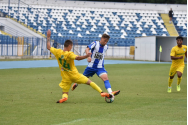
{"x":179,"y":37}
{"x":105,"y":36}
{"x":67,"y":43}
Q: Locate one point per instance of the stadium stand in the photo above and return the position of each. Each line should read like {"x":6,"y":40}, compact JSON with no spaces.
{"x":180,"y":22}
{"x":88,"y":24}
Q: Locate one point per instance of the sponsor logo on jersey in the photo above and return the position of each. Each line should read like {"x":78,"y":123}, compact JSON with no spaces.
{"x":98,"y":55}
{"x":62,"y":56}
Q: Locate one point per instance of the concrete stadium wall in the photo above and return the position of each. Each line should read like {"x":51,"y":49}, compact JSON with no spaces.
{"x":145,"y":48}
{"x":160,"y":8}
{"x":41,"y":50}
{"x":10,"y":50}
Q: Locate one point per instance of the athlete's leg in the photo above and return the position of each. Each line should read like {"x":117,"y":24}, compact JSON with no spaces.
{"x":107,"y":85}
{"x":84,"y":80}
{"x":65,"y":85}
{"x":64,"y":97}
{"x":170,"y":20}
{"x":170,"y":80}
{"x":179,"y":74}
{"x":94,"y":86}
{"x":172,"y":72}
{"x":88,"y":72}
{"x":103,"y":75}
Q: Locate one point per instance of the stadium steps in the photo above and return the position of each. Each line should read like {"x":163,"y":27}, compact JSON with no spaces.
{"x":170,"y":27}
{"x":43,"y":35}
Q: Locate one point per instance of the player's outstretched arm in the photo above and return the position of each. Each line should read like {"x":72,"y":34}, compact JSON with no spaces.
{"x":48,"y":39}
{"x":83,"y":57}
{"x":175,"y":58}
{"x":87,"y":51}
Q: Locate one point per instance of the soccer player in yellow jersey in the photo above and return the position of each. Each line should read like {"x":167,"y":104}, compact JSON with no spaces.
{"x":68,"y":70}
{"x":177,"y":54}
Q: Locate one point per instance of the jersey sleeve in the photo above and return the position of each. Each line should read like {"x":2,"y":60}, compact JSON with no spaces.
{"x":92,"y":45}
{"x":72,"y":56}
{"x":172,"y":52}
{"x":53,"y":50}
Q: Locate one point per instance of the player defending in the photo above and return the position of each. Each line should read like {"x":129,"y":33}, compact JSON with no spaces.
{"x":68,"y":70}
{"x":96,"y":62}
{"x":177,"y":54}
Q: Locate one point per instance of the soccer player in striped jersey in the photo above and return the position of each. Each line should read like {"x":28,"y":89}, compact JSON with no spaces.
{"x":177,"y":54}
{"x":96,"y":62}
{"x":68,"y":70}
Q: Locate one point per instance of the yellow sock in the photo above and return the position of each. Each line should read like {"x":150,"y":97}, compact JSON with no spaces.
{"x":169,"y":82}
{"x":179,"y":80}
{"x":64,"y":95}
{"x":96,"y":87}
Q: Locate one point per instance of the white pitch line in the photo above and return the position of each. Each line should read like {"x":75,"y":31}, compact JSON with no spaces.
{"x":77,"y":120}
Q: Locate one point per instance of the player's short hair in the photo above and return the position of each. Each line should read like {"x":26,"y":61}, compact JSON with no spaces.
{"x":105,"y":36}
{"x":179,"y":37}
{"x":67,"y":43}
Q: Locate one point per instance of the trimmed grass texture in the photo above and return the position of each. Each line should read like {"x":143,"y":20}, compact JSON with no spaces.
{"x":28,"y":97}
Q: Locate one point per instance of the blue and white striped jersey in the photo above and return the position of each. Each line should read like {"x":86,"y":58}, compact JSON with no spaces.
{"x":98,"y":52}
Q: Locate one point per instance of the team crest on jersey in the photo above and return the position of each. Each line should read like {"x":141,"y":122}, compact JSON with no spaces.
{"x":62,"y":56}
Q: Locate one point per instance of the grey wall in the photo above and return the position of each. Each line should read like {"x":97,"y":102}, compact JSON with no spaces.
{"x":145,"y":48}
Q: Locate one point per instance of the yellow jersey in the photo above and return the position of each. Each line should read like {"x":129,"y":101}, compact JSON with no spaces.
{"x":177,"y":52}
{"x":65,"y":60}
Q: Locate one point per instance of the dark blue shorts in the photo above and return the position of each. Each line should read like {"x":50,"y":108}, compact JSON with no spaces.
{"x":89,"y":72}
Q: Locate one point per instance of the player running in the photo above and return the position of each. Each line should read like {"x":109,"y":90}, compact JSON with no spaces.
{"x":96,"y":62}
{"x":177,"y":54}
{"x":68,"y":70}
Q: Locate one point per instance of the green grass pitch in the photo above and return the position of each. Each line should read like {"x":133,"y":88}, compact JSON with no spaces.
{"x":28,"y":96}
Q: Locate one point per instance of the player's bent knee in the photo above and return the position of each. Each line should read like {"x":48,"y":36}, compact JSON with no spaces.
{"x":104,"y":79}
{"x":171,"y":77}
{"x":179,"y":74}
{"x":103,"y":76}
{"x":88,"y":82}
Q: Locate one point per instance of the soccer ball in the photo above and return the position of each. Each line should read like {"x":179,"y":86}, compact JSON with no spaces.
{"x":109,"y":100}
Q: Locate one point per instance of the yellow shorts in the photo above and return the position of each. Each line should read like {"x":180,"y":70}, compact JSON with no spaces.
{"x":173,"y":70}
{"x":66,"y":82}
